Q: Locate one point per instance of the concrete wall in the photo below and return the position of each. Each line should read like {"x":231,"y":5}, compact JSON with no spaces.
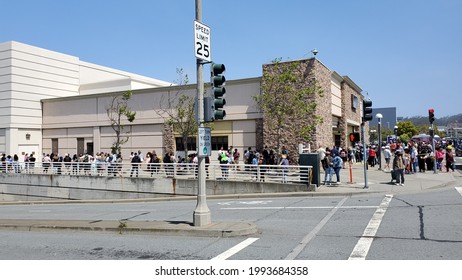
{"x":30,"y":187}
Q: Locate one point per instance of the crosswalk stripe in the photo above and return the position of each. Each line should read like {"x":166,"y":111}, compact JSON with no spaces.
{"x":225,"y":255}
{"x":362,"y":247}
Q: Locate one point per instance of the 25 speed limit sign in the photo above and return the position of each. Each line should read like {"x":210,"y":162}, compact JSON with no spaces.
{"x":202,"y":41}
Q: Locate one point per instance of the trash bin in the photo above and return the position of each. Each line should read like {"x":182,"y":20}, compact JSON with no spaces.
{"x":311,"y":159}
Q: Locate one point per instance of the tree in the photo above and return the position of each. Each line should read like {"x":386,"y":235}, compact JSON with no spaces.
{"x":286,"y":98}
{"x":406,"y":130}
{"x":179,"y":109}
{"x":116,"y":110}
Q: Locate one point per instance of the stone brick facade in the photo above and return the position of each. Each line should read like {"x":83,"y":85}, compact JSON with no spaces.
{"x":323,"y":132}
{"x":168,"y":139}
{"x":322,"y":135}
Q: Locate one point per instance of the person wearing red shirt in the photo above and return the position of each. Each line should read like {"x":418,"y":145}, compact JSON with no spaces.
{"x":371,"y":158}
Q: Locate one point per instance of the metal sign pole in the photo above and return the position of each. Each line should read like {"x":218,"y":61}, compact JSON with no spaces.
{"x":202,"y":216}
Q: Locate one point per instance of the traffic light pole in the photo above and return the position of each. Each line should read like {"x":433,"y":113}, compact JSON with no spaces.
{"x":363,"y":138}
{"x":433,"y":148}
{"x":431,"y":119}
{"x":202,"y":215}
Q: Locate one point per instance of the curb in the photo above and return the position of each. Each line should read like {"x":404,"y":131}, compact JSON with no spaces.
{"x":216,"y":229}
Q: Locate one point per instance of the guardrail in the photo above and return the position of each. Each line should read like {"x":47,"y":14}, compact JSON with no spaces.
{"x":214,"y":171}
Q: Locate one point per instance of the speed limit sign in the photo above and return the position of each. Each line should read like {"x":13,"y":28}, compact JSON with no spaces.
{"x":202,"y":41}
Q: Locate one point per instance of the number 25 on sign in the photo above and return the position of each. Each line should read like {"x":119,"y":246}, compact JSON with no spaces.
{"x":202,"y":48}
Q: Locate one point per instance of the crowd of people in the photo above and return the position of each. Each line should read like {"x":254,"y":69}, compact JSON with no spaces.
{"x":111,"y":163}
{"x":399,"y":158}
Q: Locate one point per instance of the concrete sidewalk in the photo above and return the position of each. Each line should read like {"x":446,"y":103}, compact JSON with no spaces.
{"x":378,"y":182}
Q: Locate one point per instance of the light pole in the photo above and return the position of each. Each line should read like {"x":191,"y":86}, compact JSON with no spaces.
{"x":372,"y":136}
{"x":379,"y":124}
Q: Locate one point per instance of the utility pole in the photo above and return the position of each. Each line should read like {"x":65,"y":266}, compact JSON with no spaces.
{"x":202,"y":215}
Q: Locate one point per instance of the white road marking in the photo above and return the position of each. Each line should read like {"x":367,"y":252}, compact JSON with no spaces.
{"x":245,"y":202}
{"x":39,"y":211}
{"x":225,"y":255}
{"x":364,"y":244}
{"x":459,"y":189}
{"x":137,"y":210}
{"x":297,"y":250}
{"x":297,"y":207}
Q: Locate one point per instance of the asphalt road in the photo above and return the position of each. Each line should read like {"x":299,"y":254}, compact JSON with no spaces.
{"x":422,"y":226}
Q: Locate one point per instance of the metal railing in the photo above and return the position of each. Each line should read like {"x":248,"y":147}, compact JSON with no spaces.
{"x":214,"y":171}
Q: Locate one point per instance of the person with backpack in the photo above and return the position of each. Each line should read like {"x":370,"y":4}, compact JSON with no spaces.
{"x":337,"y":165}
{"x":224,"y":161}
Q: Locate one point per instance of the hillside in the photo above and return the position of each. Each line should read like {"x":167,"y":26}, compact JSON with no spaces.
{"x":419,"y":120}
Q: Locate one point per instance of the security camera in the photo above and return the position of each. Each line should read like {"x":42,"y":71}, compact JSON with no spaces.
{"x":314,"y":51}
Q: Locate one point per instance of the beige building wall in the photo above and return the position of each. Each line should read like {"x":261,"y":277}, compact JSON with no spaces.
{"x":29,"y":74}
{"x":48,"y":97}
{"x":85,"y":116}
{"x":336,"y":89}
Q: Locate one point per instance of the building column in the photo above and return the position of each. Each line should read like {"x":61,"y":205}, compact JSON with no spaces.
{"x":96,"y":139}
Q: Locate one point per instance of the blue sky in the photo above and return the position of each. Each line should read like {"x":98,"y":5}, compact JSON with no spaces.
{"x":403,"y":53}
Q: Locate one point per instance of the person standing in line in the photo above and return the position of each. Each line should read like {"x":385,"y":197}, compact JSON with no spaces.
{"x":337,"y":166}
{"x":16,"y":164}
{"x":322,"y":156}
{"x":236,"y":157}
{"x":439,"y":158}
{"x":285,"y":167}
{"x":224,"y":162}
{"x":328,"y":162}
{"x":372,"y":154}
{"x":398,"y":167}
{"x":449,"y":160}
{"x":387,"y":156}
{"x":135,"y":161}
{"x":414,"y":159}
{"x":344,"y":157}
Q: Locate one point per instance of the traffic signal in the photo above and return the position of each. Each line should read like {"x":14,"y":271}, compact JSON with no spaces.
{"x":218,"y":90}
{"x":367,"y":110}
{"x":209,"y":109}
{"x":431,"y":115}
{"x":355,"y":137}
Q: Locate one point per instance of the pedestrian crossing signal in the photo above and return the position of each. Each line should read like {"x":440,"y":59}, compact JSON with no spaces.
{"x":355,"y":137}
